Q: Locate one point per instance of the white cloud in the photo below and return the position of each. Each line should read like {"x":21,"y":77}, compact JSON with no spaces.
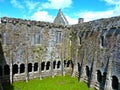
{"x":113,"y":2}
{"x":72,"y":20}
{"x":16,"y":3}
{"x":92,"y":15}
{"x":42,"y":16}
{"x":31,"y":5}
{"x":57,"y":4}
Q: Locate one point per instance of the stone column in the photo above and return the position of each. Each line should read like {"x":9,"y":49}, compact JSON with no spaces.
{"x":83,"y":67}
{"x":93,"y":74}
{"x":32,"y":70}
{"x":26,"y":71}
{"x":83,"y":73}
{"x":18,"y":69}
{"x":108,"y":83}
{"x":40,"y":72}
{"x":11,"y":73}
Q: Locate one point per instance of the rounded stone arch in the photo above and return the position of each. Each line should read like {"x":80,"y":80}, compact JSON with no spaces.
{"x":115,"y":83}
{"x":42,"y":66}
{"x":65,"y":62}
{"x":29,"y":67}
{"x":54,"y":64}
{"x":58,"y":64}
{"x":15,"y":69}
{"x":22,"y":68}
{"x":6,"y":69}
{"x":99,"y":76}
{"x":68,"y":63}
{"x":36,"y":66}
{"x":87,"y":71}
{"x":48,"y":65}
{"x":1,"y":70}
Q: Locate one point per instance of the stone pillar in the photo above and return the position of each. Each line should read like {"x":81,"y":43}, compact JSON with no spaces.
{"x":32,"y":70}
{"x":62,"y":68}
{"x":26,"y":71}
{"x":52,"y":71}
{"x":40,"y":72}
{"x":82,"y":76}
{"x":18,"y":69}
{"x":108,"y":83}
{"x":11,"y":73}
{"x":93,"y":73}
{"x":83,"y":67}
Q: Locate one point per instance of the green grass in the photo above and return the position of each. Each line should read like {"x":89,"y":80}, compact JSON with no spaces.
{"x":57,"y":83}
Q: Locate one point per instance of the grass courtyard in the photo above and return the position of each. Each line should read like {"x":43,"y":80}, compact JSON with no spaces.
{"x":56,"y":83}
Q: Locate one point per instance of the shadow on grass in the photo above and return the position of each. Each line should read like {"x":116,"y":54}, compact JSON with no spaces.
{"x":8,"y":87}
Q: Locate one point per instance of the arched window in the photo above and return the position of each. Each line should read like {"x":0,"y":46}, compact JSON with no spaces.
{"x":0,"y":70}
{"x":54,"y":64}
{"x":42,"y":66}
{"x":87,"y":71}
{"x":15,"y":69}
{"x":6,"y":70}
{"x":58,"y":64}
{"x":22,"y":68}
{"x":68,"y":63}
{"x":115,"y":83}
{"x":64,"y":63}
{"x":35,"y":66}
{"x":102,"y":41}
{"x":30,"y":67}
{"x":99,"y":76}
{"x":48,"y":65}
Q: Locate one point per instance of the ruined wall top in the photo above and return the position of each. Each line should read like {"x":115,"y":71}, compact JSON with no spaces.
{"x":5,"y":20}
{"x":98,"y":25}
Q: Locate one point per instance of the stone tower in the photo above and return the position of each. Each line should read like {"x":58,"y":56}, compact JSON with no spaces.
{"x":60,"y":18}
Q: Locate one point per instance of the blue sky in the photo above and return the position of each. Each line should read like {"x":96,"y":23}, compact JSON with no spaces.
{"x":46,"y":10}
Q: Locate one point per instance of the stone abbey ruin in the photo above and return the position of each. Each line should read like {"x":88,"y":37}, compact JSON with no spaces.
{"x":87,"y":50}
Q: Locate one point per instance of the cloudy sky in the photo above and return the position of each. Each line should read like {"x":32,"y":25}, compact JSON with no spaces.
{"x":46,"y":10}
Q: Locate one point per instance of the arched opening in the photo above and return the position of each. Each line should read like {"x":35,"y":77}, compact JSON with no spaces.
{"x":22,"y":68}
{"x":87,"y":71}
{"x":48,"y":65}
{"x":68,"y":63}
{"x":99,"y":76}
{"x":54,"y":64}
{"x":42,"y":66}
{"x":30,"y":67}
{"x":58,"y":64}
{"x":0,"y":70}
{"x":15,"y":69}
{"x":6,"y":70}
{"x":102,"y":41}
{"x":115,"y":83}
{"x":35,"y":66}
{"x":64,"y":63}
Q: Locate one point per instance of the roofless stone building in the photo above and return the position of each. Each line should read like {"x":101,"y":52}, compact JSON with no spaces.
{"x":87,"y":50}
